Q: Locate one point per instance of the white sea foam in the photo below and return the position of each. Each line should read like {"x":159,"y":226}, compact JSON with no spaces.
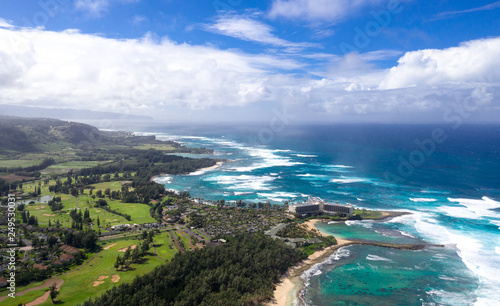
{"x":338,"y":192}
{"x":349,"y":180}
{"x":423,"y":199}
{"x":163,"y":179}
{"x":282,"y":196}
{"x":377,"y":258}
{"x":407,"y":234}
{"x":243,"y":182}
{"x":495,"y":222}
{"x":241,"y":192}
{"x":204,"y":170}
{"x":482,"y":208}
{"x":458,"y":212}
{"x":305,"y":155}
{"x":267,"y":158}
{"x":497,"y":250}
{"x":476,"y":255}
{"x":309,"y":176}
{"x":339,"y":254}
{"x":363,"y":223}
{"x":340,"y":166}
{"x":360,"y":199}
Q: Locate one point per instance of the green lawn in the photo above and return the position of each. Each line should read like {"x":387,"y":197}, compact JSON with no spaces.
{"x":165,"y":247}
{"x":78,"y":285}
{"x":138,"y":212}
{"x":115,"y":185}
{"x":11,"y":163}
{"x":72,"y":165}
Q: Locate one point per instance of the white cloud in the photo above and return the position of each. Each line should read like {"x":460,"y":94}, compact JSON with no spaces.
{"x":159,"y":77}
{"x":249,"y":29}
{"x":475,"y":61}
{"x":70,"y":69}
{"x":138,"y":19}
{"x":319,"y":10}
{"x":96,"y":8}
{"x":5,"y":23}
{"x":93,"y":7}
{"x":487,"y":7}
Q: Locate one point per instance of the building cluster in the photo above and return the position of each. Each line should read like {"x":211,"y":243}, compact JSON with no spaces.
{"x":315,"y":205}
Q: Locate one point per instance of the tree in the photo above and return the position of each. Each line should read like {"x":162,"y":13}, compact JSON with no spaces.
{"x":51,"y":240}
{"x":53,"y":292}
{"x":126,"y":256}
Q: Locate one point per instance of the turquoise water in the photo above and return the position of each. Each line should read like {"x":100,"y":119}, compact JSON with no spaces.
{"x":369,"y":275}
{"x":453,"y":195}
{"x":367,"y":230}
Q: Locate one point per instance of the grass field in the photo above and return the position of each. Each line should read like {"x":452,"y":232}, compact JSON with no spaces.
{"x":165,"y":247}
{"x":138,"y":212}
{"x":73,"y":165}
{"x":114,"y":185}
{"x":11,"y":163}
{"x":78,"y":284}
{"x":161,"y":147}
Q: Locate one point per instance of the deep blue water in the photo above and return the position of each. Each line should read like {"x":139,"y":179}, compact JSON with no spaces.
{"x":451,"y":184}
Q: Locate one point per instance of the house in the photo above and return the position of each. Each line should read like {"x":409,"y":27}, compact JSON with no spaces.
{"x":40,"y":267}
{"x":66,"y":257}
{"x":3,"y":282}
{"x":69,"y":249}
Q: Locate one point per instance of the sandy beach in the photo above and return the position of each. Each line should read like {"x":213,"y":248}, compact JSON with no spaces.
{"x":197,"y":172}
{"x":287,"y":290}
{"x":203,"y":170}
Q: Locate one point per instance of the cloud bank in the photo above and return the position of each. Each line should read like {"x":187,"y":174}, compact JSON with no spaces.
{"x":74,"y":70}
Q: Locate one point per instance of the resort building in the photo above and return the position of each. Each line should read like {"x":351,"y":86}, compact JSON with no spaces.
{"x":315,"y":205}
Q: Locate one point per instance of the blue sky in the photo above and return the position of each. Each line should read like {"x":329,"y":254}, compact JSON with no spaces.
{"x":337,"y":60}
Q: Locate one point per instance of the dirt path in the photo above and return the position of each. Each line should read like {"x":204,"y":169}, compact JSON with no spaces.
{"x":47,"y":283}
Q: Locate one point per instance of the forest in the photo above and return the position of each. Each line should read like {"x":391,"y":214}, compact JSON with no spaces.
{"x":241,"y":272}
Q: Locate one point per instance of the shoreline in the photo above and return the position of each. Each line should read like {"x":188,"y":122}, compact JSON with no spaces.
{"x":197,"y":172}
{"x":287,"y":291}
{"x":203,"y":170}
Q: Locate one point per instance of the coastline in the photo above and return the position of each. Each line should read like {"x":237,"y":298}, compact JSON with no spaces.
{"x":288,"y":290}
{"x":203,"y":170}
{"x":290,"y":283}
{"x":197,"y":172}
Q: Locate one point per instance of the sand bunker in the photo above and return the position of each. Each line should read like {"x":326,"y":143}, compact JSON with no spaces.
{"x":109,"y":246}
{"x":97,"y":283}
{"x":97,"y":211}
{"x":48,"y":215}
{"x":133,"y":246}
{"x":102,"y":277}
{"x":45,"y":296}
{"x":37,"y":207}
{"x":42,"y":206}
{"x":115,"y":278}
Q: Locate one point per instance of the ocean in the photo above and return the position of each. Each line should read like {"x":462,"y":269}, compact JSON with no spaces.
{"x":447,"y":177}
